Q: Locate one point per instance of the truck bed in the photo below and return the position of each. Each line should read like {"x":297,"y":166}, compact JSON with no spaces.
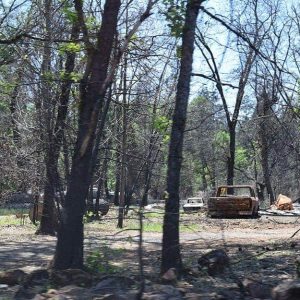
{"x":230,"y":206}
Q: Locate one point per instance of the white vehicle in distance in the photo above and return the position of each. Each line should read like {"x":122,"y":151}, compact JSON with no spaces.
{"x":193,"y":204}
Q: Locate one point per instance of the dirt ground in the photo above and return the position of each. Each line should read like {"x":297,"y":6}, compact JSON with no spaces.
{"x":263,"y":250}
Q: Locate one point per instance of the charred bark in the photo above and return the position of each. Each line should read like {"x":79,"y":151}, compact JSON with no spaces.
{"x":231,"y":156}
{"x":171,"y":256}
{"x":264,"y":111}
{"x":69,"y":247}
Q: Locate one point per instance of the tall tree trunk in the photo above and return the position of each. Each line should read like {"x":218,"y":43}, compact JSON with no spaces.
{"x":13,"y":105}
{"x":102,"y":178}
{"x":95,"y":153}
{"x":54,"y":145}
{"x":117,"y":129}
{"x":117,"y":184}
{"x":146,"y":186}
{"x":149,"y":173}
{"x":123,"y":147}
{"x":171,"y":256}
{"x":149,"y":163}
{"x":90,"y":198}
{"x":47,"y":220}
{"x":212,"y":171}
{"x":203,"y":174}
{"x":265,"y":167}
{"x":264,"y":112}
{"x":66,"y":157}
{"x":244,"y":76}
{"x":231,"y":156}
{"x":69,"y":247}
{"x":107,"y":157}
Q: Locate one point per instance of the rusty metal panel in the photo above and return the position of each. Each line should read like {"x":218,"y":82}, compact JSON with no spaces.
{"x":225,"y":204}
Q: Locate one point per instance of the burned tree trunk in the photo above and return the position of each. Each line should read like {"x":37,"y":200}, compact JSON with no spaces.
{"x":231,"y":156}
{"x":171,"y":256}
{"x":264,"y":111}
{"x":69,"y":248}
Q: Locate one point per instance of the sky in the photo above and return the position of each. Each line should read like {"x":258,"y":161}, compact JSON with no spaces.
{"x":230,"y":61}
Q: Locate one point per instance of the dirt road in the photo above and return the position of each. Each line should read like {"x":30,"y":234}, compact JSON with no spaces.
{"x":260,"y":249}
{"x":21,"y":248}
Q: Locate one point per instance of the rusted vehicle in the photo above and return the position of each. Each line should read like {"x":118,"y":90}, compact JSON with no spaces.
{"x":233,"y":201}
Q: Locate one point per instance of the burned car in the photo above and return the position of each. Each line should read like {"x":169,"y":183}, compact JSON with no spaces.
{"x":233,"y":201}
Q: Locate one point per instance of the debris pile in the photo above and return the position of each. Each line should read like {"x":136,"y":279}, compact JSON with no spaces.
{"x":284,"y":203}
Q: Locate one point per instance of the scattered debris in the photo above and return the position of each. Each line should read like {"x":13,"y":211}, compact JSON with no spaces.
{"x":243,"y":237}
{"x":36,"y":277}
{"x":113,"y":283}
{"x":66,"y":292}
{"x":257,"y":289}
{"x":70,"y":276}
{"x":284,"y":203}
{"x":169,"y":276}
{"x":155,"y":206}
{"x":288,"y":290}
{"x":215,"y":262}
{"x":162,"y":292}
{"x":12,"y":277}
{"x":34,"y":283}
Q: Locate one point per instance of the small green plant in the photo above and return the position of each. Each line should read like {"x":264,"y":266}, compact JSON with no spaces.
{"x":99,"y":261}
{"x":69,"y":13}
{"x":88,"y":217}
{"x":152,"y":227}
{"x":70,"y":47}
{"x":175,"y":16}
{"x":74,"y":76}
{"x":150,"y":215}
